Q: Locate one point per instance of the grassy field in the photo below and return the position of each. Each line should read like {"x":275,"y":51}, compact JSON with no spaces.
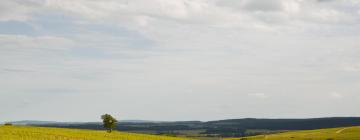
{"x":41,"y":133}
{"x":348,"y":133}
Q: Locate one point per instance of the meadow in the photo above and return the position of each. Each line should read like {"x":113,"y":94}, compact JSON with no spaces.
{"x":43,"y":133}
{"x":345,"y":133}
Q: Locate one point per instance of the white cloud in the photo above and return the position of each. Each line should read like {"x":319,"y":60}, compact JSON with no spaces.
{"x":265,"y":6}
{"x":29,"y":42}
{"x":243,"y":13}
{"x":196,"y":50}
{"x":18,"y":10}
{"x":336,"y":95}
{"x":258,"y":95}
{"x":352,"y":68}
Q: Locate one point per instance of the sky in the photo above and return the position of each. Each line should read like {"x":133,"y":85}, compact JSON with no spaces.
{"x":74,"y":60}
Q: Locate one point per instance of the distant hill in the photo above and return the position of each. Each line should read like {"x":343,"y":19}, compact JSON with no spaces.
{"x":36,"y":122}
{"x":32,"y":122}
{"x":288,"y":124}
{"x":224,"y":128}
{"x":140,"y":121}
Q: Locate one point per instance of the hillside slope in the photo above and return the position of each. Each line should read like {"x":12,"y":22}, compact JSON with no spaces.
{"x":288,"y":124}
{"x":41,"y":133}
{"x":344,"y":133}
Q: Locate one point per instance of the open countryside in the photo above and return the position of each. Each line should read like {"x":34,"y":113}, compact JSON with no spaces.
{"x":43,"y":133}
{"x":179,"y":69}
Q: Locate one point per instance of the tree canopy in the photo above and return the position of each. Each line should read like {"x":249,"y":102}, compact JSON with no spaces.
{"x":109,"y":122}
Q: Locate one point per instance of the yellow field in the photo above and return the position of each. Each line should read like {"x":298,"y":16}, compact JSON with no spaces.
{"x":41,"y":133}
{"x":348,"y":133}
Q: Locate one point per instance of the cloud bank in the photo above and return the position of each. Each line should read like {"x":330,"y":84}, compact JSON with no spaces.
{"x":178,"y":59}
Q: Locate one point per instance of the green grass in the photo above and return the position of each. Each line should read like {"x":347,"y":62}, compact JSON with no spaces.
{"x":349,"y":133}
{"x":43,"y":133}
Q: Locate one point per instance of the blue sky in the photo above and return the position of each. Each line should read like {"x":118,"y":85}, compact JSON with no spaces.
{"x":64,"y":60}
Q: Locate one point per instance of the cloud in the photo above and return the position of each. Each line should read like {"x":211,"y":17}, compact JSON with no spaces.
{"x":242,"y":13}
{"x":352,"y":67}
{"x":336,"y":95}
{"x":258,"y":95}
{"x":16,"y":70}
{"x":30,"y":42}
{"x":178,"y":51}
{"x":253,"y":5}
{"x":18,"y":10}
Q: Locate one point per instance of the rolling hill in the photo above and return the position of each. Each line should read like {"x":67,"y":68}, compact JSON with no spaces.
{"x":41,"y":133}
{"x":343,"y":133}
{"x":220,"y":128}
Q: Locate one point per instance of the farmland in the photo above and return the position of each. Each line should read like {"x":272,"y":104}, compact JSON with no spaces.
{"x":344,"y":133}
{"x":45,"y":133}
{"x":41,"y":133}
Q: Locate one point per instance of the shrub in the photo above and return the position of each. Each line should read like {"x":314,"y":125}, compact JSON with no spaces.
{"x":8,"y":124}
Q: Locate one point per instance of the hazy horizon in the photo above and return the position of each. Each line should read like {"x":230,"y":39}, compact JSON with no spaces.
{"x":141,"y":120}
{"x":177,"y":60}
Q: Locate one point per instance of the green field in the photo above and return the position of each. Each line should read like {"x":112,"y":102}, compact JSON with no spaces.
{"x":42,"y":133}
{"x":346,"y":133}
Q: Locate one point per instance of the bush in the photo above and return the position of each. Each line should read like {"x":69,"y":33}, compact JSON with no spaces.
{"x":8,"y":124}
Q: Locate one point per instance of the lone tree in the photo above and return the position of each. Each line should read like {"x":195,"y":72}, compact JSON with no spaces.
{"x":109,"y":122}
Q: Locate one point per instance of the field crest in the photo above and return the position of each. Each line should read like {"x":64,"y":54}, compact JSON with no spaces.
{"x":348,"y":133}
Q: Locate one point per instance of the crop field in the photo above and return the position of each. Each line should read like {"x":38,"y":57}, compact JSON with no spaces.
{"x":43,"y":133}
{"x":347,"y":133}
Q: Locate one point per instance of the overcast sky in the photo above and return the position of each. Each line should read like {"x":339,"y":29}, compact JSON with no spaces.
{"x":73,"y":60}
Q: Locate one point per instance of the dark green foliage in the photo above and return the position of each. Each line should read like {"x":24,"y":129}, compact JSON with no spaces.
{"x":109,"y":122}
{"x":226,"y":131}
{"x":8,"y":124}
